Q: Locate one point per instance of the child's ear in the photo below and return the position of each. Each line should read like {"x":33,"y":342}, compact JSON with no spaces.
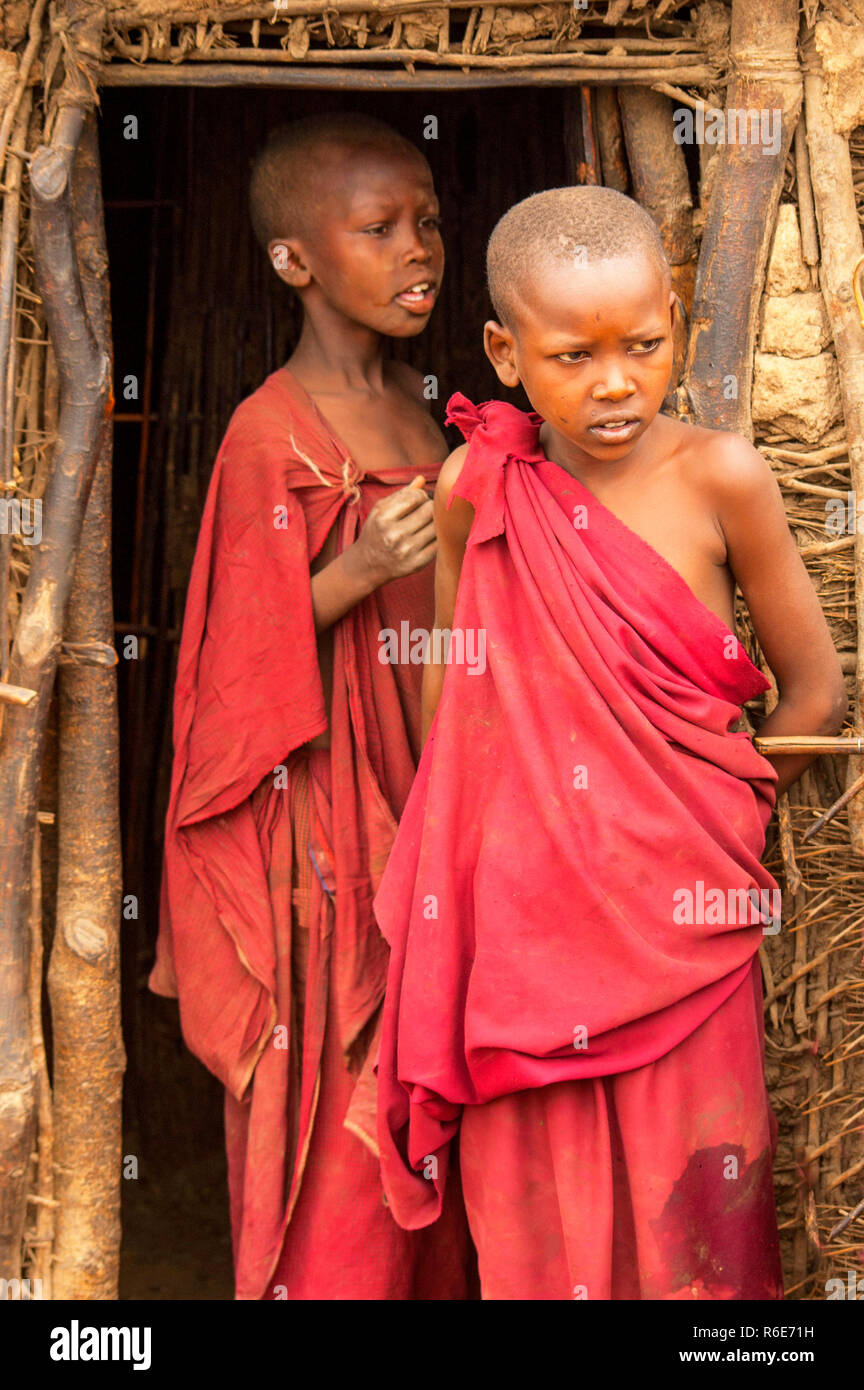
{"x":499,"y":346}
{"x":286,"y":258}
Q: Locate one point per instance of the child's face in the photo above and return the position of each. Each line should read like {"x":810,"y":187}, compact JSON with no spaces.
{"x":376,"y":257}
{"x":593,"y":346}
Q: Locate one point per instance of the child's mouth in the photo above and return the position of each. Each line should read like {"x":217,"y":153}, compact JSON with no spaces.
{"x":419,"y":298}
{"x":613,"y":431}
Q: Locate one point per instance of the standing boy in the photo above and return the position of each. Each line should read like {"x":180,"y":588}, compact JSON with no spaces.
{"x":575,"y":900}
{"x":295,"y":745}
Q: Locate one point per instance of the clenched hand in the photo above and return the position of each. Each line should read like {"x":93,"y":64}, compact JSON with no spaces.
{"x":398,"y":536}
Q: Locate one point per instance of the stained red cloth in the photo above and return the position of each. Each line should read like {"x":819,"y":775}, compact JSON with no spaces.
{"x":641,"y":1185}
{"x":567,"y":797}
{"x":235,"y":896}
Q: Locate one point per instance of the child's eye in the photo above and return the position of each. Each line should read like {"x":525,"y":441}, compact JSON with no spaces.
{"x":648,"y":346}
{"x":434,"y":222}
{"x":570,"y":356}
{"x":377,"y":229}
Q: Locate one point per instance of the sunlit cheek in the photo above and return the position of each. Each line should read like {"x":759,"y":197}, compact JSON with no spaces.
{"x":656,"y":370}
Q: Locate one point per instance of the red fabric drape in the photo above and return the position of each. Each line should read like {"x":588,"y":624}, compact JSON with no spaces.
{"x":567,"y":797}
{"x":655,"y":1183}
{"x":248,"y":695}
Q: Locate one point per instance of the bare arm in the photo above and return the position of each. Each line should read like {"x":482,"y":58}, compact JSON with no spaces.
{"x":398,"y":537}
{"x":786,"y":612}
{"x":452,"y":528}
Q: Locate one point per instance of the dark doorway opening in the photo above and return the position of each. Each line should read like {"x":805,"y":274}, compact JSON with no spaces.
{"x":198,"y":321}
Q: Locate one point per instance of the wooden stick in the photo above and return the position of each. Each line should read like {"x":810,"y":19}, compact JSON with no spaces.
{"x":741,"y":217}
{"x":847,"y":1220}
{"x":610,"y":138}
{"x":852,"y":790}
{"x":681,"y":64}
{"x":840,"y":240}
{"x":227,"y":74}
{"x":643,"y":45}
{"x":683,"y":98}
{"x":84,"y":974}
{"x":16,"y":694}
{"x":43,"y":1197}
{"x":8,"y":355}
{"x":806,"y":211}
{"x":827,"y":547}
{"x":659,"y":172}
{"x":826,"y":455}
{"x":808,"y":743}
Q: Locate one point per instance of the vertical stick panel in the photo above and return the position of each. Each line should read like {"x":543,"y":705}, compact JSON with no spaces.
{"x":33,"y":662}
{"x":840,"y":238}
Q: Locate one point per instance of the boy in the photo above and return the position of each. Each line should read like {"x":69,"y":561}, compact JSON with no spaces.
{"x":575,"y":900}
{"x":295,"y":746}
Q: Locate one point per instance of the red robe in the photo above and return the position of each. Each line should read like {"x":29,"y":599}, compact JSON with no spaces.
{"x":567,"y":964}
{"x":273,"y":852}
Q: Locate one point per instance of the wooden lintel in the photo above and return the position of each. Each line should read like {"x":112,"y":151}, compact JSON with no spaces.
{"x":345,"y":79}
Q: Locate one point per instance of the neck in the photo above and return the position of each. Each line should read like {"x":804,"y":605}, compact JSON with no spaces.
{"x":336,"y":356}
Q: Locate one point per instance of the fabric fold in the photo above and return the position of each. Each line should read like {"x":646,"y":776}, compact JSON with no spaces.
{"x":248,"y":697}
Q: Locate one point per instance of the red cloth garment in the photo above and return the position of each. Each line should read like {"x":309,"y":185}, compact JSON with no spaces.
{"x":581,"y":807}
{"x":634,"y":1186}
{"x":240,"y":913}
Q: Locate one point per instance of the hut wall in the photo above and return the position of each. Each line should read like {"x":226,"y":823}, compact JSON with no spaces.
{"x":812,"y":970}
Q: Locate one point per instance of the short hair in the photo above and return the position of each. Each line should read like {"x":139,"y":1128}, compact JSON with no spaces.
{"x":588,"y":221}
{"x":282,"y":186}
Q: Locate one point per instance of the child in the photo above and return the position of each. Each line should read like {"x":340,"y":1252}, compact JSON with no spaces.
{"x":575,"y":900}
{"x":295,"y":746}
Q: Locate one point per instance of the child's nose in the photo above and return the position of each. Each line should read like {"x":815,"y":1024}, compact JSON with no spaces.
{"x":418,"y":249}
{"x":616,"y":384}
{"x":419,"y":245}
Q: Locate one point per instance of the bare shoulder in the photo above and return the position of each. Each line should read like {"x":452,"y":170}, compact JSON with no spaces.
{"x":726,"y":465}
{"x":409,"y":380}
{"x":737,"y":485}
{"x":453,"y":514}
{"x":450,"y":470}
{"x":739,"y":477}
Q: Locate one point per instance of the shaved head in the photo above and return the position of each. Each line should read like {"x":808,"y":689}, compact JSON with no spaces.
{"x":575,"y":226}
{"x":285,"y":186}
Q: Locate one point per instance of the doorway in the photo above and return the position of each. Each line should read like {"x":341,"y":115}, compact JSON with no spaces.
{"x":199,"y":320}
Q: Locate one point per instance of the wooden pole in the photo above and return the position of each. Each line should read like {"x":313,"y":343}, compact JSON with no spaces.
{"x":610,"y":138}
{"x":8,"y":354}
{"x":84,"y":973}
{"x":84,"y":376}
{"x":840,"y":240}
{"x":42,"y":1235}
{"x":741,"y":216}
{"x":660,"y":180}
{"x":674,"y":66}
{"x":225,"y":74}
